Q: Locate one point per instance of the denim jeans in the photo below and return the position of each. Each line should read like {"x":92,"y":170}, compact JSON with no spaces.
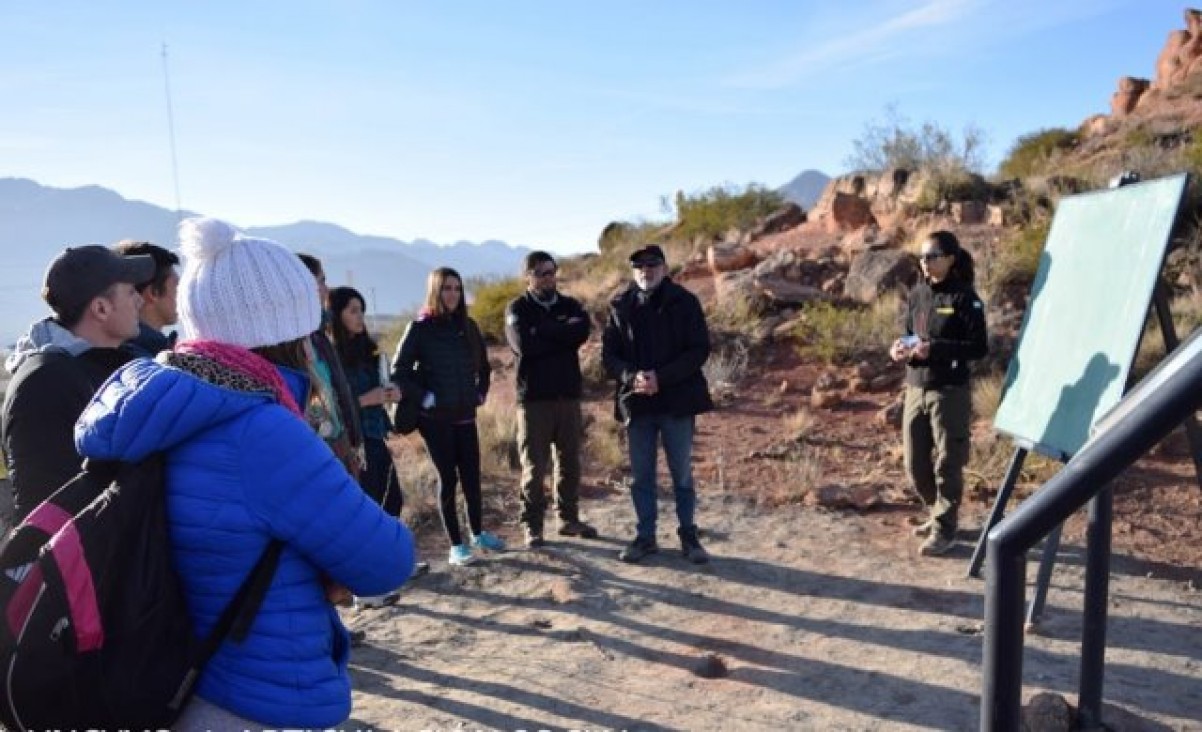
{"x":643,"y":434}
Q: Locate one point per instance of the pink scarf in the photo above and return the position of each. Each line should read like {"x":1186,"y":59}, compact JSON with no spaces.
{"x":245,"y":362}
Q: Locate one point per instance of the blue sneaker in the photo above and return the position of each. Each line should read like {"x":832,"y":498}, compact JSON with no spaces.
{"x":460,"y":555}
{"x":487,"y":540}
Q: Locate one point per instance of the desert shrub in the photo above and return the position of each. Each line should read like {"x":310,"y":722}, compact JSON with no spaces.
{"x":1031,"y":153}
{"x":951,"y":185}
{"x":604,"y":448}
{"x":1191,"y":152}
{"x":896,"y":143}
{"x":987,"y":395}
{"x":727,"y":364}
{"x":490,"y":298}
{"x":735,"y":312}
{"x":497,"y":426}
{"x":1017,"y":260}
{"x":843,"y":334}
{"x":713,"y":212}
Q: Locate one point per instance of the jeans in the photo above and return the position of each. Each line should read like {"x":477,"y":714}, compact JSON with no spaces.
{"x":643,"y":434}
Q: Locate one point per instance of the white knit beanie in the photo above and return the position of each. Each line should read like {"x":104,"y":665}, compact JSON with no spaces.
{"x":241,"y":290}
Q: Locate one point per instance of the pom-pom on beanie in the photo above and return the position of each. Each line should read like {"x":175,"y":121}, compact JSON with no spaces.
{"x":242,"y":290}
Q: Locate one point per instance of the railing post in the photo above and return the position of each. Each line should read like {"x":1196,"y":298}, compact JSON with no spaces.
{"x":1093,"y":632}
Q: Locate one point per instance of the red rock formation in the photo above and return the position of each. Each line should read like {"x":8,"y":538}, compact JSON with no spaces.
{"x":1127,"y":97}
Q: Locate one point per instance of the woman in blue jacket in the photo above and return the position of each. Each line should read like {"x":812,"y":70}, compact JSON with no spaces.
{"x":226,"y":406}
{"x":442,"y":362}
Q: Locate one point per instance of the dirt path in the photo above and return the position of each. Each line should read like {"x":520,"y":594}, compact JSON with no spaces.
{"x":804,"y":620}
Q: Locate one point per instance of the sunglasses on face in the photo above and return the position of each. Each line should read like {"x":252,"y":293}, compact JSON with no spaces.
{"x":546,"y":272}
{"x":931,"y":256}
{"x":646,"y":264}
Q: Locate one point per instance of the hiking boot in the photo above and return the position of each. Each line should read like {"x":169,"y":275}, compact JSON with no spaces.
{"x":358,"y":638}
{"x":690,"y":545}
{"x":577,"y":528}
{"x":638,"y":549}
{"x":460,"y":555}
{"x":534,"y":538}
{"x":419,"y":569}
{"x":924,"y":529}
{"x":489,"y":541}
{"x":937,"y":543}
{"x":377,"y":600}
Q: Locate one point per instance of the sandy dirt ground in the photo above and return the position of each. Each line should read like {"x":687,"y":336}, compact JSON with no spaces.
{"x":805,"y":619}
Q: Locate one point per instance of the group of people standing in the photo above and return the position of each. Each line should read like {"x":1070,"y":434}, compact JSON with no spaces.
{"x":270,"y":408}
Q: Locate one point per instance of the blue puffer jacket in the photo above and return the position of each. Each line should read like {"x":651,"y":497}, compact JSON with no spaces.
{"x":241,"y":469}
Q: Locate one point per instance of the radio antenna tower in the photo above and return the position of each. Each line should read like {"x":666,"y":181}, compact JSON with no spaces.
{"x":171,"y":133}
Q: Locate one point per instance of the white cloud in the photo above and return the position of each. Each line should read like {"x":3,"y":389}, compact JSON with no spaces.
{"x":889,"y":38}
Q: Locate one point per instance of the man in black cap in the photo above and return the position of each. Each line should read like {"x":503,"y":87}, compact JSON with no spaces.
{"x":62,"y":361}
{"x":654,"y":346}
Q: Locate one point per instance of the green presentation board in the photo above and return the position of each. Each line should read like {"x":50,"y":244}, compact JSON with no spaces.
{"x":1088,"y":305}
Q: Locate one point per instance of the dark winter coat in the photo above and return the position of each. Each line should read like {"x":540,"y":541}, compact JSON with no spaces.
{"x":547,"y":346}
{"x":667,"y":334}
{"x":42,"y":403}
{"x":444,"y":356}
{"x":952,"y":317}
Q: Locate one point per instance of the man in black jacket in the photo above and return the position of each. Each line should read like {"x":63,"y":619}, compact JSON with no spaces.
{"x":654,"y":346}
{"x":62,"y":361}
{"x":545,"y":329}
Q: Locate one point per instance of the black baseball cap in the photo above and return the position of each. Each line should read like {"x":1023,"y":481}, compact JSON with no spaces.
{"x":648,"y":254}
{"x":80,"y":274}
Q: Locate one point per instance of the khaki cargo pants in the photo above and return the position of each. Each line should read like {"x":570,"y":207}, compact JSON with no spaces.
{"x":935,"y":433}
{"x":545,"y":430}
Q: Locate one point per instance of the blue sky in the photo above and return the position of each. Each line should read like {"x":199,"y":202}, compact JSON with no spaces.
{"x":531,"y":121}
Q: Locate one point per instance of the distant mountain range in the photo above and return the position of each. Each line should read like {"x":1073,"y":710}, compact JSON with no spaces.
{"x":806,"y":188}
{"x":37,"y":221}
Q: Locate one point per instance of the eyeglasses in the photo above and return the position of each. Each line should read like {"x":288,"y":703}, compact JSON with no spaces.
{"x":546,"y":272}
{"x":646,"y":264}
{"x":931,"y":256}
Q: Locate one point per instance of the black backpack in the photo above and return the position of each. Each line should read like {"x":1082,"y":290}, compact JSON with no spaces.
{"x":94,"y":630}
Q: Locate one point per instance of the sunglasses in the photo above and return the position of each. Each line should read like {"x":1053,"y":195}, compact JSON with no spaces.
{"x":646,"y":264}
{"x":931,"y":256}
{"x":546,"y":272}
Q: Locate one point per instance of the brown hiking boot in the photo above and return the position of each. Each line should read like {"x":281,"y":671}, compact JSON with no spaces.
{"x":577,"y":528}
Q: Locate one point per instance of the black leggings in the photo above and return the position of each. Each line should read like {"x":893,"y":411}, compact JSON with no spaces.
{"x":379,"y":478}
{"x":455,"y":450}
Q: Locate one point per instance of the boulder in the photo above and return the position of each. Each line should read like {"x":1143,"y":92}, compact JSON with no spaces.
{"x":730,"y":258}
{"x":1047,"y":712}
{"x":1123,"y":102}
{"x":788,"y":217}
{"x":968,"y":212}
{"x":877,"y":271}
{"x":781,"y":292}
{"x":849,"y":212}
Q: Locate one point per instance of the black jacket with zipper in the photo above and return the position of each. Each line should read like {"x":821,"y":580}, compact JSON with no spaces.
{"x":663,"y":331}
{"x":952,"y":317}
{"x":447,"y":357}
{"x":546,"y":341}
